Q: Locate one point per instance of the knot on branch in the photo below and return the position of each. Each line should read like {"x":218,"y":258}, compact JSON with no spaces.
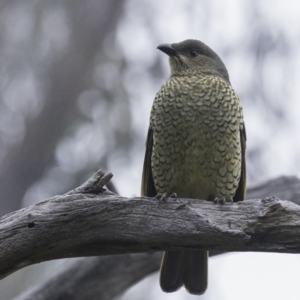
{"x":273,"y":207}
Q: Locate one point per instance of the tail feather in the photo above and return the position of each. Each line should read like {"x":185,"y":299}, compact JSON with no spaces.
{"x":172,"y":270}
{"x":188,"y":268}
{"x":196,"y":271}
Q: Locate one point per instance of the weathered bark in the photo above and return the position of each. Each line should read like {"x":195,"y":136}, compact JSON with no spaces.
{"x":84,"y":223}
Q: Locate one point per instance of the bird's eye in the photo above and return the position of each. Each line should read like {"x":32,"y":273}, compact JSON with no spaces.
{"x":194,"y":53}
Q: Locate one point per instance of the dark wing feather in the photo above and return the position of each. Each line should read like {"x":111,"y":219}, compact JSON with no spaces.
{"x":148,"y":188}
{"x":241,"y":190}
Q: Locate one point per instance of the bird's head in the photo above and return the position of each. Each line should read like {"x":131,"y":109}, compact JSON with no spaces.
{"x":193,"y":57}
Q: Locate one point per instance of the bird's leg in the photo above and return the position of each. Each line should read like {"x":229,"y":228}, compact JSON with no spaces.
{"x":230,"y":200}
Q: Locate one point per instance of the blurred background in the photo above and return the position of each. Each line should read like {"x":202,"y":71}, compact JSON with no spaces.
{"x":77,"y":81}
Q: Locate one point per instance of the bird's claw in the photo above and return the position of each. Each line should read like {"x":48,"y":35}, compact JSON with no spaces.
{"x":164,"y":196}
{"x":222,"y":200}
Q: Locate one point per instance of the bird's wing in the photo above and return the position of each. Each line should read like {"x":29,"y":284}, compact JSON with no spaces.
{"x":241,"y":190}
{"x":148,"y":188}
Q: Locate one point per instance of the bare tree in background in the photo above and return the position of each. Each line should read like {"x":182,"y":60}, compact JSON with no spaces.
{"x":61,"y":71}
{"x":69,"y":93}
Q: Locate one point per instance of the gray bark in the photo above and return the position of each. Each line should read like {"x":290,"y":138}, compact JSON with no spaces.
{"x":89,"y":221}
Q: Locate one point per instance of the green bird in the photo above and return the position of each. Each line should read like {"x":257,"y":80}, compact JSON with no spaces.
{"x":195,"y":148}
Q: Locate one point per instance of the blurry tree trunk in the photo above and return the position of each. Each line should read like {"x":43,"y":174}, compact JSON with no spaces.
{"x":94,"y":278}
{"x":64,"y":78}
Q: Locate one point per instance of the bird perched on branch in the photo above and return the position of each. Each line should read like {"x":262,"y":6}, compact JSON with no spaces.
{"x":195,"y":148}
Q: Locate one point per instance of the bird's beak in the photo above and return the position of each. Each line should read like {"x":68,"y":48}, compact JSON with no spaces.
{"x":168,"y":49}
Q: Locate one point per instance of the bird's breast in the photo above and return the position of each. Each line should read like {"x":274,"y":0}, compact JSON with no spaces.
{"x":196,"y":138}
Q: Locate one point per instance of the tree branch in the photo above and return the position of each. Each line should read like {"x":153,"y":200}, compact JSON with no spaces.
{"x":81,"y":223}
{"x":93,"y":278}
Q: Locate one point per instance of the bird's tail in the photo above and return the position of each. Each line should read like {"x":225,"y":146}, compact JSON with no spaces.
{"x":188,"y":268}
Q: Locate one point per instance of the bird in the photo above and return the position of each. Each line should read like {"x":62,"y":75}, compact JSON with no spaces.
{"x":195,"y":148}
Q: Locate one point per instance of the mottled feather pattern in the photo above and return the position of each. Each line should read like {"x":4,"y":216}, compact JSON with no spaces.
{"x":196,"y":133}
{"x":195,"y":148}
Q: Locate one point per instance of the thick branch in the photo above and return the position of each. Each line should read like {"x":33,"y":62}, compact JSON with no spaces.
{"x":81,"y":224}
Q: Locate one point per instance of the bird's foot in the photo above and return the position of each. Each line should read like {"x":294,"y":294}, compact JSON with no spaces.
{"x":164,"y":196}
{"x":222,"y":200}
{"x":219,"y":200}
